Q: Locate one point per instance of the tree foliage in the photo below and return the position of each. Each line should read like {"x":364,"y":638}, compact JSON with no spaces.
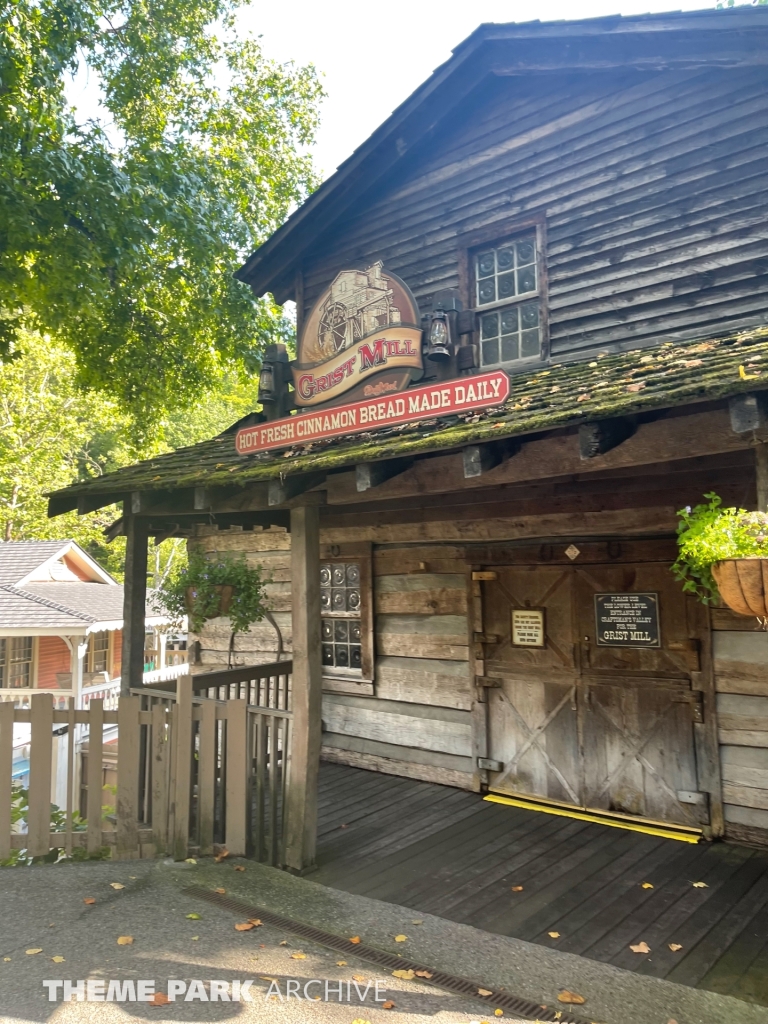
{"x":53,"y":431}
{"x":120,"y":236}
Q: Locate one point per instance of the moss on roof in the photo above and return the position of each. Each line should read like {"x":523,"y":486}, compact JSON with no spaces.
{"x":557,"y":396}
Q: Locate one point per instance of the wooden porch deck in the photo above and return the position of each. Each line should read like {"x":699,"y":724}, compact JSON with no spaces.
{"x":444,"y":851}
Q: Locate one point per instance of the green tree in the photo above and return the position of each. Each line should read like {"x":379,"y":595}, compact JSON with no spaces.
{"x":53,"y":431}
{"x":120,"y":237}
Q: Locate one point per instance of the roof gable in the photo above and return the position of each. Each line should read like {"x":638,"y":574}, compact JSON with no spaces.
{"x":730,"y":38}
{"x":40,"y":561}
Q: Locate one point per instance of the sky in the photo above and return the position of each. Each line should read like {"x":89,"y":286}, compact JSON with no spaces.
{"x":373,"y":54}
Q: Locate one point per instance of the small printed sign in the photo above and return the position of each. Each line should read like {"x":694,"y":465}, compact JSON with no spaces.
{"x":445,"y":399}
{"x":627,"y":620}
{"x":528,"y":627}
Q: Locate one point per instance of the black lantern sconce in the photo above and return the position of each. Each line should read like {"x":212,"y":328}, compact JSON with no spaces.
{"x":439,"y":346}
{"x":441,"y":326}
{"x":274,"y":378}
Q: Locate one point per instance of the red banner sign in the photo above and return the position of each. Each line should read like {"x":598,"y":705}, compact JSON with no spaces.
{"x":460,"y":395}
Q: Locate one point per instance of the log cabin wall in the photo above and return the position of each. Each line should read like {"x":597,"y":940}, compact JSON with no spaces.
{"x":653,"y":187}
{"x":740,"y":659}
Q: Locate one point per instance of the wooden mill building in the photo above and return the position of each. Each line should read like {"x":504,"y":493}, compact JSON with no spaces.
{"x":481,"y":595}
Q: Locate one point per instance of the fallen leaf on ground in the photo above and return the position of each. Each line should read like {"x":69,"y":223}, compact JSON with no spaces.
{"x":125,"y":940}
{"x":239,"y":867}
{"x":424,"y":974}
{"x":359,"y":1020}
{"x":89,"y":900}
{"x":31,"y":952}
{"x":498,"y":1013}
{"x":159,"y":999}
{"x":571,"y":997}
{"x":220,"y":856}
{"x":58,"y":959}
{"x":355,"y":939}
{"x":343,"y":826}
{"x":674,"y":946}
{"x":6,"y":959}
{"x":190,"y":860}
{"x":117,"y":885}
{"x":641,"y":947}
{"x":700,"y":885}
{"x":517,"y":888}
{"x":298,"y":956}
{"x":417,"y":922}
{"x":647,"y":885}
{"x":220,"y":891}
{"x":255,"y":921}
{"x":193,"y":917}
{"x":195,"y":938}
{"x":341,"y":963}
{"x":554,"y":935}
{"x":405,"y":975}
{"x":245,"y":926}
{"x":359,"y":977}
{"x":484,"y":992}
{"x":671,"y":1022}
{"x":283,"y":943}
{"x":389,"y":1005}
{"x":401,"y":938}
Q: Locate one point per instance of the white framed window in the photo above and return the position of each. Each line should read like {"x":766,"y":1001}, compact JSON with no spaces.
{"x":507,"y":288}
{"x":16,"y":662}
{"x":98,"y":652}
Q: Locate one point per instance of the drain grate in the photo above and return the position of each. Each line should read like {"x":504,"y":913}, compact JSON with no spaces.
{"x":450,"y":982}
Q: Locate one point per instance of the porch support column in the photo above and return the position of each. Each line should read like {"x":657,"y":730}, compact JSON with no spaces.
{"x":134,"y":603}
{"x":761,"y":475}
{"x":301,"y":797}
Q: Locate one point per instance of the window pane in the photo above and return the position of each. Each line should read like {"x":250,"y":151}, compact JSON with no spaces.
{"x":486,"y":291}
{"x":339,"y":596}
{"x":526,"y":280}
{"x":529,"y":314}
{"x":506,"y":286}
{"x":20,"y":662}
{"x":355,"y":656}
{"x":526,"y":252}
{"x":485,"y":264}
{"x":325,"y":599}
{"x":490,"y":325}
{"x":341,"y":631}
{"x":327,"y":654}
{"x":490,"y":352}
{"x":327,"y":629}
{"x":325,"y":575}
{"x":339,"y":577}
{"x":530,"y":343}
{"x":339,"y":601}
{"x":505,"y":259}
{"x":509,"y":323}
{"x":510,"y":348}
{"x":342,"y":656}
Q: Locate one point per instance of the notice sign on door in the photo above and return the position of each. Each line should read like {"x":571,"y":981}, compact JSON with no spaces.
{"x":627,"y":620}
{"x":527,"y":627}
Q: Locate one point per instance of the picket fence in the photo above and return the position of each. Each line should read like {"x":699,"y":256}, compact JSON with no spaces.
{"x":202,"y":764}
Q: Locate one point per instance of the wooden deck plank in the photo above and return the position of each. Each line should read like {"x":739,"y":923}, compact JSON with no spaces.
{"x":684,"y":927}
{"x":693,"y":969}
{"x":444,"y":851}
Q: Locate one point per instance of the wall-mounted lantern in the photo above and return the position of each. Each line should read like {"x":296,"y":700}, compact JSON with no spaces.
{"x":439,"y":348}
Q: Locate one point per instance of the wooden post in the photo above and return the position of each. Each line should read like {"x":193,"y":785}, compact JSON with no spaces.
{"x":40,"y":763}
{"x":6,"y":769}
{"x":301,"y":797}
{"x":127,"y":803}
{"x":237,"y":769}
{"x":761,"y":475}
{"x":134,"y":603}
{"x":95,"y":776}
{"x":183,"y":788}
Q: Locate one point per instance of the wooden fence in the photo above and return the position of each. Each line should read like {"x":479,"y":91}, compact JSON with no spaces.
{"x":193,"y":772}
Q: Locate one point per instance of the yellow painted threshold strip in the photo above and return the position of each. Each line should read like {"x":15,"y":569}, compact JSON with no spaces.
{"x":650,"y":830}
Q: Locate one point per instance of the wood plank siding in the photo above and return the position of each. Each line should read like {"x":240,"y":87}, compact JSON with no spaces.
{"x":653,"y":186}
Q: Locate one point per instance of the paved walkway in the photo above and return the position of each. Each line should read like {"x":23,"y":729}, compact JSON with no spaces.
{"x":44,"y":909}
{"x":447,"y":852}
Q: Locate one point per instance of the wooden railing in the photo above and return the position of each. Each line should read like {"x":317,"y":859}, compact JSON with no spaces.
{"x":193,"y":773}
{"x":266,"y":685}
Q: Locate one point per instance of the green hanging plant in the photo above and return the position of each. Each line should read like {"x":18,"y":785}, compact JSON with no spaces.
{"x":207,"y":587}
{"x":709,"y":534}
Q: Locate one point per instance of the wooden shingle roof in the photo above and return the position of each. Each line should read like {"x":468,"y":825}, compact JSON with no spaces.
{"x":629,"y":383}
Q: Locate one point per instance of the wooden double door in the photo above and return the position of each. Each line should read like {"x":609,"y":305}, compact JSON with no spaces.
{"x":611,"y":728}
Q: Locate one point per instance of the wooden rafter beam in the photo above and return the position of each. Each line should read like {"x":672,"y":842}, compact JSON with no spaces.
{"x":373,"y":474}
{"x":478,"y":459}
{"x":282,"y":491}
{"x":603,"y":436}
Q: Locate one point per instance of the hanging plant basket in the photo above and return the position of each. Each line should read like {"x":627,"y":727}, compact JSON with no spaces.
{"x":743,"y":585}
{"x":225,"y":592}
